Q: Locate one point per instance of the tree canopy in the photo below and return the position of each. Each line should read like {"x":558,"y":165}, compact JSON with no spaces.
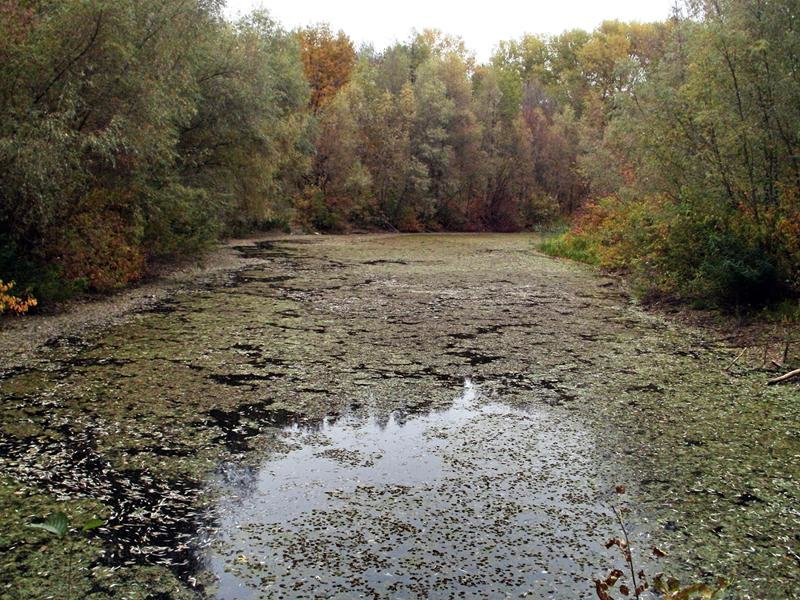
{"x":132,"y":130}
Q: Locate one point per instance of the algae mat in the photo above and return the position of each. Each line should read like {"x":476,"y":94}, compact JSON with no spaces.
{"x":393,"y":416}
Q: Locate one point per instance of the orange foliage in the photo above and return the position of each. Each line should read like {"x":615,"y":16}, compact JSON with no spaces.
{"x":328,"y":62}
{"x":14,"y":304}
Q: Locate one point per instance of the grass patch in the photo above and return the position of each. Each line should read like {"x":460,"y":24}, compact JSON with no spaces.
{"x":567,"y":245}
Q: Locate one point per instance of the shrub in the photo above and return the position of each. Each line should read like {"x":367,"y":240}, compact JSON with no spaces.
{"x":703,"y":256}
{"x":14,"y":304}
{"x":609,"y":233}
{"x":101,"y":244}
{"x":714,"y":261}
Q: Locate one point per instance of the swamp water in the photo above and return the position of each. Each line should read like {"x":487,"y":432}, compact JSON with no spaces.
{"x":476,"y":500}
{"x":299,"y":426}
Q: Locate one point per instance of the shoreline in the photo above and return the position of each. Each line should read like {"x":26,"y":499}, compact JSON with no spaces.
{"x":21,"y":337}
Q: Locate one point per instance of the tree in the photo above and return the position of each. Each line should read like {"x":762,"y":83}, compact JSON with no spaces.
{"x":130,"y":130}
{"x":328,"y":62}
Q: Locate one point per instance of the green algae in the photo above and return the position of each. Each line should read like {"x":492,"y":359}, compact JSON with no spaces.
{"x":374,"y":324}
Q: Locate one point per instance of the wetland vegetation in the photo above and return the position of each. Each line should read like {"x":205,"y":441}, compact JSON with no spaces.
{"x":371,"y":414}
{"x":432,"y":399}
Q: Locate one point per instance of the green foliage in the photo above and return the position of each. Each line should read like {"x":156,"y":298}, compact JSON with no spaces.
{"x":316,"y":213}
{"x":710,"y":263}
{"x":570,"y":246}
{"x":133,"y":130}
{"x":57,"y":524}
{"x":92,"y":524}
{"x":179,"y":220}
{"x":33,"y":275}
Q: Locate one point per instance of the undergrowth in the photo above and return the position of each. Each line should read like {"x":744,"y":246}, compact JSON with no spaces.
{"x":716,"y":260}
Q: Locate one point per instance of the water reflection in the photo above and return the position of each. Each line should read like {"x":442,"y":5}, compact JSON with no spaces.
{"x":478,"y":499}
{"x":340,"y":453}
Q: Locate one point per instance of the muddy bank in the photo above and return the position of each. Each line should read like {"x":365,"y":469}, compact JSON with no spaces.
{"x":172,"y":424}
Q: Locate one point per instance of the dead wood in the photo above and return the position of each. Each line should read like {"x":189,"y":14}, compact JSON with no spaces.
{"x":787,"y":377}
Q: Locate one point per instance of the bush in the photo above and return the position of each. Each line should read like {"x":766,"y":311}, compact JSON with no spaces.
{"x":609,"y":233}
{"x":669,"y":250}
{"x":713,"y":262}
{"x":101,"y":245}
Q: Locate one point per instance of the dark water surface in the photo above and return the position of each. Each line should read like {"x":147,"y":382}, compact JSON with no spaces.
{"x":479,"y":499}
{"x":393,"y":416}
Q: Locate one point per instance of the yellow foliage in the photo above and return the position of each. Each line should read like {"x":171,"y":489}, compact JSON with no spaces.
{"x":14,"y":304}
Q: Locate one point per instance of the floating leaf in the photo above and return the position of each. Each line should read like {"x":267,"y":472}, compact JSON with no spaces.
{"x":672,"y":590}
{"x":614,"y":576}
{"x":92,"y":524}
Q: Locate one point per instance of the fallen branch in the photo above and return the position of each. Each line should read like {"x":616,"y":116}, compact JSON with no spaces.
{"x":735,"y":360}
{"x":787,"y":377}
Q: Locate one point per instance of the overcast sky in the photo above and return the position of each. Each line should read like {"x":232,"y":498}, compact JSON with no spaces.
{"x":481,"y":24}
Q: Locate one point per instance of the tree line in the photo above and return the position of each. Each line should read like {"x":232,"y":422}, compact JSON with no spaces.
{"x":137,"y":130}
{"x":694,"y":175}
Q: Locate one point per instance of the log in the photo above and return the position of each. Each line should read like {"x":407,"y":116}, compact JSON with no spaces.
{"x":787,"y":377}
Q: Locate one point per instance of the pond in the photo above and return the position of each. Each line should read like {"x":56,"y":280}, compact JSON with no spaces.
{"x":393,"y":415}
{"x":478,"y":498}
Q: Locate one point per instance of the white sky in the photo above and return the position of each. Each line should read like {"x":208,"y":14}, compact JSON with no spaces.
{"x":480,"y":24}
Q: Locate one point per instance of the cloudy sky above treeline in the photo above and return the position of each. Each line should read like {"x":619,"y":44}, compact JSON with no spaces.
{"x":480,"y":24}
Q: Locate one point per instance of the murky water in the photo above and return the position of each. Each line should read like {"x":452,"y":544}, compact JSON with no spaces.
{"x":300,"y":427}
{"x":480,"y":499}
